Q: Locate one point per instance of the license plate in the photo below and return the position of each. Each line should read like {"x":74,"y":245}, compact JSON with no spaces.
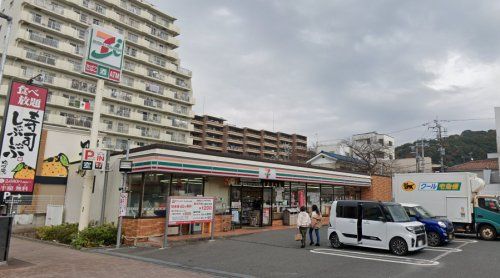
{"x":420,"y":243}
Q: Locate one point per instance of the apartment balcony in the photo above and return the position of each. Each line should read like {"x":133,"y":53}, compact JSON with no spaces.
{"x":65,"y":102}
{"x":252,"y":150}
{"x":269,"y":137}
{"x":93,"y":8}
{"x":60,"y":29}
{"x":285,"y":139}
{"x":173,"y":28}
{"x":49,"y":43}
{"x":212,"y":139}
{"x":42,"y":60}
{"x":253,"y":135}
{"x":253,"y":143}
{"x":234,"y":141}
{"x":213,"y":148}
{"x":54,"y":10}
{"x":213,"y":131}
{"x":183,"y":97}
{"x":267,"y":144}
{"x":67,"y":121}
{"x":269,"y":152}
{"x":122,"y":130}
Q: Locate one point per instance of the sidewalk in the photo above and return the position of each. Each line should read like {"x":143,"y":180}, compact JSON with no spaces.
{"x":157,"y":242}
{"x":34,"y":259}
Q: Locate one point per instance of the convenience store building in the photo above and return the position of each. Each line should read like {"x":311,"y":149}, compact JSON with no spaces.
{"x":247,"y":192}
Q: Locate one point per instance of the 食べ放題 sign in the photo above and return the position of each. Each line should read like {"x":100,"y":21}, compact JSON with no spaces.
{"x":22,"y":129}
{"x":104,"y":54}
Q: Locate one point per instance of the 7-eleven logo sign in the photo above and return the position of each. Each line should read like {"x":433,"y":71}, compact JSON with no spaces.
{"x":105,"y":54}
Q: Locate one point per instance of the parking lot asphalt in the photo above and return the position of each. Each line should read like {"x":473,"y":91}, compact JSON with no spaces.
{"x":276,"y":254}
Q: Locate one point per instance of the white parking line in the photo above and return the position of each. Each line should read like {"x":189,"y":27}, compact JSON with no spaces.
{"x":465,"y":240}
{"x":375,"y":257}
{"x":449,"y":252}
{"x":443,"y":249}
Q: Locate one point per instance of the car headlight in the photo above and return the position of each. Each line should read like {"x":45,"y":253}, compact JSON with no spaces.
{"x":442,"y":224}
{"x":411,"y":229}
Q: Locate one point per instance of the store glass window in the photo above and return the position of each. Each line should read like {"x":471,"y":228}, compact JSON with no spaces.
{"x":298,"y":194}
{"x":155,"y":191}
{"x":313,"y":195}
{"x":187,"y":186}
{"x":338,"y":193}
{"x":135,"y":193}
{"x":281,"y":199}
{"x":326,"y":199}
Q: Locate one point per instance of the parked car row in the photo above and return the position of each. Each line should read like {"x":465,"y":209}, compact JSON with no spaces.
{"x":428,"y":210}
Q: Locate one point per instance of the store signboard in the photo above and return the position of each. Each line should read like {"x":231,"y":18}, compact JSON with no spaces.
{"x":190,"y":210}
{"x":267,"y":173}
{"x":21,"y":133}
{"x":123,"y":204}
{"x":104,"y":54}
{"x":93,"y":159}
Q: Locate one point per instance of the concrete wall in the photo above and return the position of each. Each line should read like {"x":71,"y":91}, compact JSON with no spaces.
{"x":381,"y":189}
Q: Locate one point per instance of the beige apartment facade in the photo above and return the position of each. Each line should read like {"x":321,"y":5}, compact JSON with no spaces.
{"x":213,"y":134}
{"x":152,"y":103}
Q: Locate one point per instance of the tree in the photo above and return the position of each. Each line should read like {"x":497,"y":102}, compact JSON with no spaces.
{"x":370,"y":156}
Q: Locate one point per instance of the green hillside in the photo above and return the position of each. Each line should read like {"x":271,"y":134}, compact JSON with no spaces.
{"x":459,"y":148}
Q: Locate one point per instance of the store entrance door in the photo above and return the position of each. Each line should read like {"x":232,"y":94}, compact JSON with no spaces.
{"x":251,"y":206}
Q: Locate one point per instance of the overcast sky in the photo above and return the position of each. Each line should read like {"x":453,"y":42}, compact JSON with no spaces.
{"x":329,"y":69}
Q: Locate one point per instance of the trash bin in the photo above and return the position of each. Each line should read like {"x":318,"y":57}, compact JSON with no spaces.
{"x":290,"y":216}
{"x":5,"y":231}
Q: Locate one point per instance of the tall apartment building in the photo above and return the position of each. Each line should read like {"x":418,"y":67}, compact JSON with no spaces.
{"x":153,"y":101}
{"x":212,"y":133}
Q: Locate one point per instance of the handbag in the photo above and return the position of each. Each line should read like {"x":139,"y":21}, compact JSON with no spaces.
{"x":298,"y":236}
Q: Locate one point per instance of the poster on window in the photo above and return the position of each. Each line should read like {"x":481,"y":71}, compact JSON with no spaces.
{"x":22,"y":129}
{"x":189,"y":210}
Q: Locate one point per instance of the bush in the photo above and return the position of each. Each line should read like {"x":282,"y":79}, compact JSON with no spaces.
{"x":95,"y":236}
{"x":64,"y":233}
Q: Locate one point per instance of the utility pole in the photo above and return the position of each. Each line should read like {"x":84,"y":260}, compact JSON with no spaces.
{"x":6,"y":44}
{"x":439,"y":130}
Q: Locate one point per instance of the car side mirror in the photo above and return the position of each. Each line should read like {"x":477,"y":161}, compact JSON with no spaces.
{"x":382,"y":219}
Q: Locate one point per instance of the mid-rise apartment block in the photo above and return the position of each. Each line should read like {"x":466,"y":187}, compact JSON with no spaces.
{"x":153,"y":101}
{"x":383,"y":142}
{"x":212,"y":133}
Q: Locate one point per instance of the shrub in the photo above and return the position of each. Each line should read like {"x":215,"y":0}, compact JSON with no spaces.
{"x":95,"y":236}
{"x":64,"y":233}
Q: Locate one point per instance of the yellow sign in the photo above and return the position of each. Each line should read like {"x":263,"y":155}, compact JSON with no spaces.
{"x":409,"y":186}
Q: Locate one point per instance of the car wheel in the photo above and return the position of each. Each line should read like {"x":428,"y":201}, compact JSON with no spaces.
{"x":335,"y":241}
{"x":487,"y":232}
{"x":398,"y":246}
{"x":433,"y":239}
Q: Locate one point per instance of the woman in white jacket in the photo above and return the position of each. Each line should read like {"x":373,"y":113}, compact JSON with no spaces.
{"x":303,"y":223}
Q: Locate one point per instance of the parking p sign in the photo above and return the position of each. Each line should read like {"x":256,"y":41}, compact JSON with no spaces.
{"x":93,"y":159}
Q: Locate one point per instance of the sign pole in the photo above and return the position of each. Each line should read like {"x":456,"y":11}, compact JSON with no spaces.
{"x":124,"y":189}
{"x":212,"y":228}
{"x":167,"y":210}
{"x":89,"y":177}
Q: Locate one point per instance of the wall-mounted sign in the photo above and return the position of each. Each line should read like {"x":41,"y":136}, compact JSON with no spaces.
{"x":123,"y":204}
{"x":21,"y":132}
{"x":408,"y":186}
{"x":440,"y":186}
{"x":189,"y":210}
{"x":126,"y":165}
{"x":267,"y":173}
{"x":104,"y":54}
{"x":93,"y":159}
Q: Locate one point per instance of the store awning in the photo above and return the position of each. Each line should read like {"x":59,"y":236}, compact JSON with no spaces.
{"x":179,"y":160}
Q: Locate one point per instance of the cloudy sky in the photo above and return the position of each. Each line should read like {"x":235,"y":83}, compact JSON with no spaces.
{"x":329,"y":69}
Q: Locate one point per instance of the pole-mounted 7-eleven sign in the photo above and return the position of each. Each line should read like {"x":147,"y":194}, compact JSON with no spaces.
{"x":104,"y":54}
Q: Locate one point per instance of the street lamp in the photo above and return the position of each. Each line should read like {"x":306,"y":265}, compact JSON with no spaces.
{"x":6,"y":44}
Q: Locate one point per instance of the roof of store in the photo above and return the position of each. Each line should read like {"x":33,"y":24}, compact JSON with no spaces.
{"x":176,"y":159}
{"x":475,"y":165}
{"x":337,"y":157}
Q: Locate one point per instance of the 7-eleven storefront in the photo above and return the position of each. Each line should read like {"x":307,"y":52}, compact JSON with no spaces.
{"x":247,"y":192}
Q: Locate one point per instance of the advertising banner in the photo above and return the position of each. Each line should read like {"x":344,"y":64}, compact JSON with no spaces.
{"x":189,"y":210}
{"x":104,"y":54}
{"x":22,"y":130}
{"x":440,"y":186}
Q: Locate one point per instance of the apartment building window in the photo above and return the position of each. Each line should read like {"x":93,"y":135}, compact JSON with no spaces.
{"x":155,"y":74}
{"x":77,"y":65}
{"x":123,"y":128}
{"x":121,"y":144}
{"x":134,"y":9}
{"x":129,"y":81}
{"x":181,"y":82}
{"x":150,"y":117}
{"x":27,"y":71}
{"x":119,"y":30}
{"x":100,"y":9}
{"x":133,"y":37}
{"x":140,"y":143}
{"x":47,"y":40}
{"x":133,"y":23}
{"x":53,"y":24}
{"x":129,"y":66}
{"x":96,"y":21}
{"x":131,"y":51}
{"x":36,"y":18}
{"x":108,"y":124}
{"x":178,"y":137}
{"x":83,"y":86}
{"x":123,"y":111}
{"x":107,"y":143}
{"x":154,"y":88}
{"x":181,"y":96}
{"x":157,"y":61}
{"x":83,"y":17}
{"x":81,"y":32}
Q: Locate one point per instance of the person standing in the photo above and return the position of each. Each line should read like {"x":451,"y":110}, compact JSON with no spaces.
{"x":315,"y":224}
{"x":303,"y":223}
